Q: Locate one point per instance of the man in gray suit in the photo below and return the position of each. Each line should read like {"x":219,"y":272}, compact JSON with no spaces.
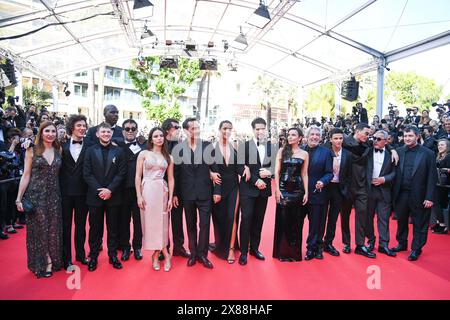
{"x":380,"y":176}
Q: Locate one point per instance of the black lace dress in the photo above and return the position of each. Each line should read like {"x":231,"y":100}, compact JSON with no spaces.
{"x":287,"y":244}
{"x":44,"y":226}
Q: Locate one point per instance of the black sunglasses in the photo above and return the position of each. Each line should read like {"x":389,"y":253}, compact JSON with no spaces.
{"x":378,"y":139}
{"x":128,"y":129}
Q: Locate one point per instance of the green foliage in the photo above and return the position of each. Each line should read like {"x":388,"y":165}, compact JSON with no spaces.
{"x":412,"y":89}
{"x":167,"y":84}
{"x":32,"y":95}
{"x":320,"y":101}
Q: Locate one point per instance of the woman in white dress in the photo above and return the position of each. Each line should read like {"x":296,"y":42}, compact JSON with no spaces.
{"x":154,"y":196}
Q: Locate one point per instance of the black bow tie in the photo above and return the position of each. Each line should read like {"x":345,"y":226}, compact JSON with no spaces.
{"x":131,"y":143}
{"x":379,"y":150}
{"x":74,"y":142}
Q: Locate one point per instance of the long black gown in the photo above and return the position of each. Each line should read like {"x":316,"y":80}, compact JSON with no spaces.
{"x":287,"y":244}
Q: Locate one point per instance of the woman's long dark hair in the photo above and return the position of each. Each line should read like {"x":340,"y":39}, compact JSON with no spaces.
{"x":287,"y":150}
{"x":164,"y":149}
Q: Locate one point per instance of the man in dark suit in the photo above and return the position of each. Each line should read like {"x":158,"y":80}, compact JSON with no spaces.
{"x":415,"y":117}
{"x":358,"y":147}
{"x":194,"y":187}
{"x":428,"y":139}
{"x":73,"y":190}
{"x":338,"y":190}
{"x":111,"y":114}
{"x":131,"y":149}
{"x":320,"y":173}
{"x":414,"y":192}
{"x":104,"y":171}
{"x":256,"y":154}
{"x":380,"y":177}
{"x":171,"y":128}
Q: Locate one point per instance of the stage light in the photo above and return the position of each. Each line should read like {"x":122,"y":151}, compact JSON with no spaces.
{"x":139,"y":4}
{"x":168,"y":62}
{"x":240,"y":42}
{"x":261,"y":17}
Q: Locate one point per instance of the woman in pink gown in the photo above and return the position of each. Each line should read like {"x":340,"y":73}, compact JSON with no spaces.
{"x":154,"y":196}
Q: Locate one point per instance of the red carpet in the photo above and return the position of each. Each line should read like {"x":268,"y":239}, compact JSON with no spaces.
{"x":343,"y":277}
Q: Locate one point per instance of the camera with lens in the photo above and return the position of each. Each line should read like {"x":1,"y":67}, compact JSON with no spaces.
{"x":9,"y":165}
{"x":441,"y":108}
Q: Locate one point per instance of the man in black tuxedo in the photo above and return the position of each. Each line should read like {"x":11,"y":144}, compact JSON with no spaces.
{"x":73,"y":190}
{"x":380,"y":177}
{"x":320,"y":173}
{"x":131,"y":149}
{"x":338,"y":189}
{"x":171,"y":128}
{"x":104,"y":171}
{"x":193,"y":164}
{"x":111,"y":114}
{"x":256,"y":154}
{"x":414,"y":192}
{"x":415,"y":117}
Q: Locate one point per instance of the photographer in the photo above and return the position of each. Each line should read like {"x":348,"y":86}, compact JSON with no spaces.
{"x":362,"y":113}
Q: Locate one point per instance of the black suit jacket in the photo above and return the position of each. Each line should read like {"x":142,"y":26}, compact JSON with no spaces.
{"x":251,"y":159}
{"x":345,"y":172}
{"x":71,"y":173}
{"x":97,"y":176}
{"x":430,"y":143}
{"x":117,"y":137}
{"x":130,"y":159}
{"x":387,"y":171}
{"x":363,"y":116}
{"x":191,"y":171}
{"x":424,"y":176}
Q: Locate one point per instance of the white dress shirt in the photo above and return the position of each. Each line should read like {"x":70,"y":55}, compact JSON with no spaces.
{"x":336,"y":166}
{"x":75,"y":150}
{"x":378,"y":159}
{"x":134,"y":148}
{"x":261,"y":150}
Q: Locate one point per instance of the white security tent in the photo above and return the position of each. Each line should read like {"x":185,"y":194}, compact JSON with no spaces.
{"x":305,"y":43}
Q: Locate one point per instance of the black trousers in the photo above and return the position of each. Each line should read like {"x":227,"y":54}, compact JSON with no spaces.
{"x":198,"y":246}
{"x":332,"y":209}
{"x":176,"y":216}
{"x":74,"y":208}
{"x":315,"y":213}
{"x":3,"y":201}
{"x":130,"y":209}
{"x":11,"y":213}
{"x":253,"y":210}
{"x":358,"y":198}
{"x":96,"y":226}
{"x":377,"y":204}
{"x":420,"y":219}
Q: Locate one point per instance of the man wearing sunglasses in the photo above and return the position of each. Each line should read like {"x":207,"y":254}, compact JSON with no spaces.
{"x":130,"y":207}
{"x":380,"y":176}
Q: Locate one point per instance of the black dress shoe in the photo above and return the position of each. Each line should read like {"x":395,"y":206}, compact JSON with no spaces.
{"x":362,"y":250}
{"x":331,"y":250}
{"x":399,"y":248}
{"x":83,"y":261}
{"x":347,"y":249}
{"x":370,"y":246}
{"x":92,"y":265}
{"x":243,"y":259}
{"x":115,"y":263}
{"x":309,"y":255}
{"x":3,"y":236}
{"x":414,"y":255}
{"x":191,"y":261}
{"x":44,"y":274}
{"x":206,"y":263}
{"x":258,"y":255}
{"x":138,"y":254}
{"x":68,"y":266}
{"x":181,"y":253}
{"x":126,"y":255}
{"x":318,"y":254}
{"x":11,"y":230}
{"x":387,"y":251}
{"x":18,"y":226}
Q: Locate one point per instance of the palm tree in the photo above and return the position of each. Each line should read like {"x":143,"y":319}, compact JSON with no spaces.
{"x":269,"y":92}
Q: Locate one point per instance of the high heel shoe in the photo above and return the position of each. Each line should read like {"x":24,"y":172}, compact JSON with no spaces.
{"x":167,"y":264}
{"x":156,"y":266}
{"x":231,"y":260}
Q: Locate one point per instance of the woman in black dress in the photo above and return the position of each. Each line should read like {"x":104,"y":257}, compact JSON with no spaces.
{"x":443,"y":165}
{"x":225,"y":209}
{"x":291,"y":178}
{"x":40,"y":186}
